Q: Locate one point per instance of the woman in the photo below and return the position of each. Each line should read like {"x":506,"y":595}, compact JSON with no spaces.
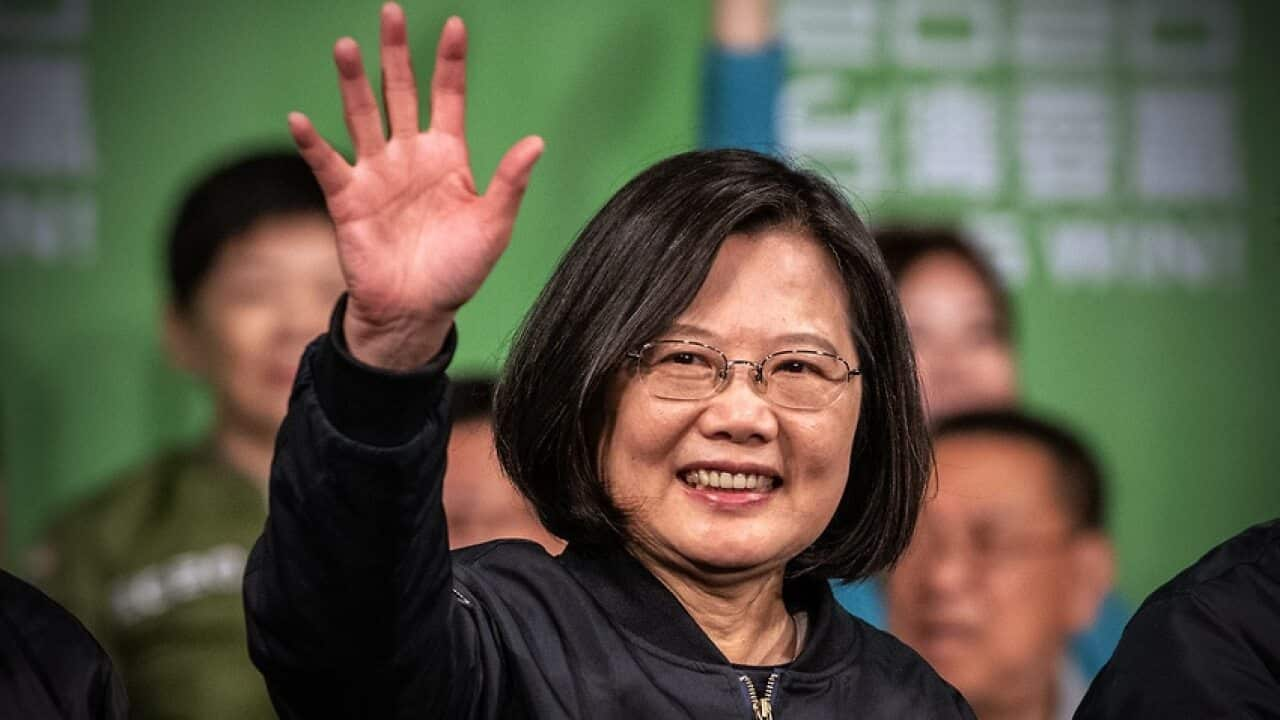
{"x":960,"y":318}
{"x":704,"y":507}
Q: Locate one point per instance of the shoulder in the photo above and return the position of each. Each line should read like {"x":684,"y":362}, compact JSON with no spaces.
{"x":140,"y":516}
{"x":507,"y":564}
{"x":129,"y":494}
{"x":1225,"y":591}
{"x":516,"y":583}
{"x":1206,"y":639}
{"x":903,"y":666}
{"x":1251,"y":557}
{"x":51,"y":657}
{"x":888,"y":679}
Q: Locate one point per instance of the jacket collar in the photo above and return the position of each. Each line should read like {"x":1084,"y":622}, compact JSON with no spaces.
{"x":638,"y":602}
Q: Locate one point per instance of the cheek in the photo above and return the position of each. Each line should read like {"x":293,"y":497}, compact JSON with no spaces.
{"x":640,"y":443}
{"x":242,"y":340}
{"x":998,"y":373}
{"x":829,"y":438}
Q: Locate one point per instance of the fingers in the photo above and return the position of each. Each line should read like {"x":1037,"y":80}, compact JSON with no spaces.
{"x":399,"y":91}
{"x":449,"y":80}
{"x":331,"y":170}
{"x":359,"y":108}
{"x":506,"y":189}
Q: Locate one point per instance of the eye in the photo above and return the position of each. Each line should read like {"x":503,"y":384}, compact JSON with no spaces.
{"x":795,"y":367}
{"x":681,"y":357}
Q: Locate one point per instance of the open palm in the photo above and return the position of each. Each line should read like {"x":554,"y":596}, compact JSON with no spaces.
{"x":415,"y":238}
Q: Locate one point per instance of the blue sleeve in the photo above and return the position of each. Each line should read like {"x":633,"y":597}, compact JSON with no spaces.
{"x":740,"y":98}
{"x":1093,"y":647}
{"x":862,"y":599}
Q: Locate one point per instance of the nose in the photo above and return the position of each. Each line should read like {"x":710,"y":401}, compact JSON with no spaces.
{"x":739,"y":413}
{"x":299,"y":316}
{"x":945,"y":567}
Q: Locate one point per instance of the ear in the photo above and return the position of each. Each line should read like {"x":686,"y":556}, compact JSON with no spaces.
{"x":1094,"y":567}
{"x":182,"y":341}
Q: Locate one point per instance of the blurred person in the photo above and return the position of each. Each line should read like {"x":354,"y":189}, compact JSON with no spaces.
{"x":959,"y":315}
{"x":742,"y":77}
{"x":153,"y":563}
{"x":480,"y":503}
{"x":1009,"y":559}
{"x":1206,"y":644}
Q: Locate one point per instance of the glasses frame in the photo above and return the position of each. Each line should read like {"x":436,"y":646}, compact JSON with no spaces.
{"x":759,"y":383}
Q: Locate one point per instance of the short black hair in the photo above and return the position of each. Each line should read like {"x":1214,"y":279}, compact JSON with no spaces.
{"x":1081,"y":482}
{"x":471,"y":398}
{"x":632,"y":270}
{"x":904,"y":245}
{"x":228,"y":201}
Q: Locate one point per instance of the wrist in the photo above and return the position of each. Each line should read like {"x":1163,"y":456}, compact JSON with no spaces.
{"x":743,"y":25}
{"x":398,"y":344}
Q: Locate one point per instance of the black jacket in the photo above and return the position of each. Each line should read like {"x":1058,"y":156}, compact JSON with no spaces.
{"x":1204,"y":645}
{"x":50,"y":666}
{"x":357,"y":609}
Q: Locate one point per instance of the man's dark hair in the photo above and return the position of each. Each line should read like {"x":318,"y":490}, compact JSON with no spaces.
{"x":227,"y":202}
{"x":633,"y":269}
{"x":1081,"y":483}
{"x":470,"y":398}
{"x":905,"y":245}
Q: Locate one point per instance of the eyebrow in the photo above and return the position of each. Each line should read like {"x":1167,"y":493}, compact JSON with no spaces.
{"x":694,"y":332}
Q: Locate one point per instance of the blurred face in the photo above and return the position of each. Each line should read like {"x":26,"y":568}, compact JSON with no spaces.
{"x":772,"y":291}
{"x":964,"y":363}
{"x":995,"y":580}
{"x":268,"y":294}
{"x":479,"y":502}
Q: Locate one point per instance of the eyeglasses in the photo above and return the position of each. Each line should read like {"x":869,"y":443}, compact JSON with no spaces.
{"x":982,"y":551}
{"x":689,"y":370}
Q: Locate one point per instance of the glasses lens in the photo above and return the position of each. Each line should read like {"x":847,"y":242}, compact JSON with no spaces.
{"x":680,"y":371}
{"x":805,"y":380}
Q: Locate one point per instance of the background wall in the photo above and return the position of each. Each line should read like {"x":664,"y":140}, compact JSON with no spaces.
{"x":1143,"y":268}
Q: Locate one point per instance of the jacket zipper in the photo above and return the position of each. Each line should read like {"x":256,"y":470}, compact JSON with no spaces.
{"x":761,"y":707}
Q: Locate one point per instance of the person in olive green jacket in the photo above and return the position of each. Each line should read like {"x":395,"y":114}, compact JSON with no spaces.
{"x":153,"y":564}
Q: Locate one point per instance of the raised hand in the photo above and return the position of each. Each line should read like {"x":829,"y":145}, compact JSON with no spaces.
{"x":415,"y":238}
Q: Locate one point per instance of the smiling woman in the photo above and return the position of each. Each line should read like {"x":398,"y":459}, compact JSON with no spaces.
{"x":703,"y":507}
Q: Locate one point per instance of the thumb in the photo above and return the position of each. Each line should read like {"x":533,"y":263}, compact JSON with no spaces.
{"x":506,"y":189}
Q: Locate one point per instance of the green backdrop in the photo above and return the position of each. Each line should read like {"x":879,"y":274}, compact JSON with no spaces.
{"x":1161,"y":351}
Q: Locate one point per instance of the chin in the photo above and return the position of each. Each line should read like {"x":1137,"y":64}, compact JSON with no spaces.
{"x":730,"y":557}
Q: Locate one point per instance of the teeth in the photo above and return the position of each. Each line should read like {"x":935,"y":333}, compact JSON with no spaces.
{"x":728,"y":481}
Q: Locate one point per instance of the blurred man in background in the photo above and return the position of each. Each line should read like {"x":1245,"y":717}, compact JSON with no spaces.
{"x":480,"y":503}
{"x":1009,"y":559}
{"x":153,"y":564}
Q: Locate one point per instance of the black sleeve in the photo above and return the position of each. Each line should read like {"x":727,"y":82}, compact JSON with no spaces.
{"x":348,"y":592}
{"x":50,"y":666}
{"x":1211,"y":652}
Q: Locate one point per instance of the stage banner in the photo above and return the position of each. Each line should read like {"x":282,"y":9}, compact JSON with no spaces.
{"x":1117,"y":158}
{"x":1118,"y":161}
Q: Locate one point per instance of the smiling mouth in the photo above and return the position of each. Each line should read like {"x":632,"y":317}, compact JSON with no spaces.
{"x":720,"y":480}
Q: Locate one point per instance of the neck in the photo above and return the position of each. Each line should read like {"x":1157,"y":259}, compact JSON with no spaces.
{"x":1037,"y":705}
{"x":247,"y":452}
{"x":742,"y":613}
